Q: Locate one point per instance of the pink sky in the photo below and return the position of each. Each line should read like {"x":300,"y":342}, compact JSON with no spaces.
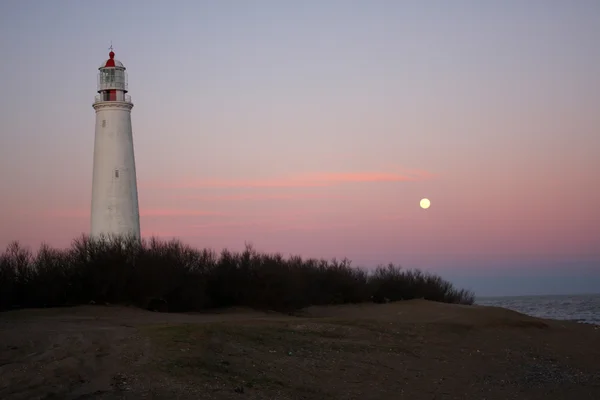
{"x":363,"y":215}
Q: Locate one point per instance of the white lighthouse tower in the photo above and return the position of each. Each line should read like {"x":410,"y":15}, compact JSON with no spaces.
{"x":114,"y":187}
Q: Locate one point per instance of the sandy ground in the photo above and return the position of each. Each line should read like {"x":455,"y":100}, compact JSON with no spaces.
{"x":406,"y":350}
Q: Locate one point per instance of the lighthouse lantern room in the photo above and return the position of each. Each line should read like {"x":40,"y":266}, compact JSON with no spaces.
{"x":112,"y":81}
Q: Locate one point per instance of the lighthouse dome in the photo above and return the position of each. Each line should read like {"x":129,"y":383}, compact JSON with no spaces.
{"x":111,"y":62}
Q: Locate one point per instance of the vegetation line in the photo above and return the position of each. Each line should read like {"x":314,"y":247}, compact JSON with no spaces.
{"x":123,"y":270}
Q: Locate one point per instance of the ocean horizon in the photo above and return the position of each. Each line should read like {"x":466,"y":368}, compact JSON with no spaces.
{"x":583,"y":308}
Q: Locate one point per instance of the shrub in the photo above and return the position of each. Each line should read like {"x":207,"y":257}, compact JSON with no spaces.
{"x":128,"y":271}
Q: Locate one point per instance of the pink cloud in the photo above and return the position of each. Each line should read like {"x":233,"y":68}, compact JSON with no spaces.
{"x":173,"y":212}
{"x":144,"y":212}
{"x":261,"y":196}
{"x":307,"y":180}
{"x":256,"y":218}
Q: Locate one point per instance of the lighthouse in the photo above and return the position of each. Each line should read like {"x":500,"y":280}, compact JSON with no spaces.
{"x":115,"y":209}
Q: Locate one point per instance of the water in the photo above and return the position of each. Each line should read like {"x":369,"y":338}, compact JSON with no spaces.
{"x":580,"y":308}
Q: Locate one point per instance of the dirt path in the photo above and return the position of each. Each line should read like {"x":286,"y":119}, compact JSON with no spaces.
{"x":410,"y":350}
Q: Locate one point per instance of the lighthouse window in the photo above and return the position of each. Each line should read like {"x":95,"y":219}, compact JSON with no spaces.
{"x":108,"y":76}
{"x":116,"y":173}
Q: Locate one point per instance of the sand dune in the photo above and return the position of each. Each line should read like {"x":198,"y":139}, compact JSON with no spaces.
{"x":406,"y":350}
{"x":422,"y":311}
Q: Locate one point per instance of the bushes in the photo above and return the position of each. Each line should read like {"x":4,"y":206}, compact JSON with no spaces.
{"x":125,"y":271}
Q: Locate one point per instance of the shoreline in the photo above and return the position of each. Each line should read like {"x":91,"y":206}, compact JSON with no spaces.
{"x":581,"y":308}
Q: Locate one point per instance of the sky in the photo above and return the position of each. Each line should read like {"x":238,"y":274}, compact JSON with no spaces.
{"x":316,"y":127}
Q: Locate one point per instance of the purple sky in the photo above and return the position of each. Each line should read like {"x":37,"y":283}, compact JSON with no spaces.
{"x":315,"y":128}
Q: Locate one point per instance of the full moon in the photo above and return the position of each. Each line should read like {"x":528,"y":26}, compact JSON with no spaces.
{"x":425,"y":203}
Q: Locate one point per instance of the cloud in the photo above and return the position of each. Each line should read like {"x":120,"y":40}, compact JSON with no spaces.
{"x":308,"y":180}
{"x":261,"y":196}
{"x":144,"y":212}
{"x":263,"y":217}
{"x":175,"y":212}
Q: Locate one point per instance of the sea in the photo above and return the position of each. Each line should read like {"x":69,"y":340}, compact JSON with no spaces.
{"x":579,"y":308}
